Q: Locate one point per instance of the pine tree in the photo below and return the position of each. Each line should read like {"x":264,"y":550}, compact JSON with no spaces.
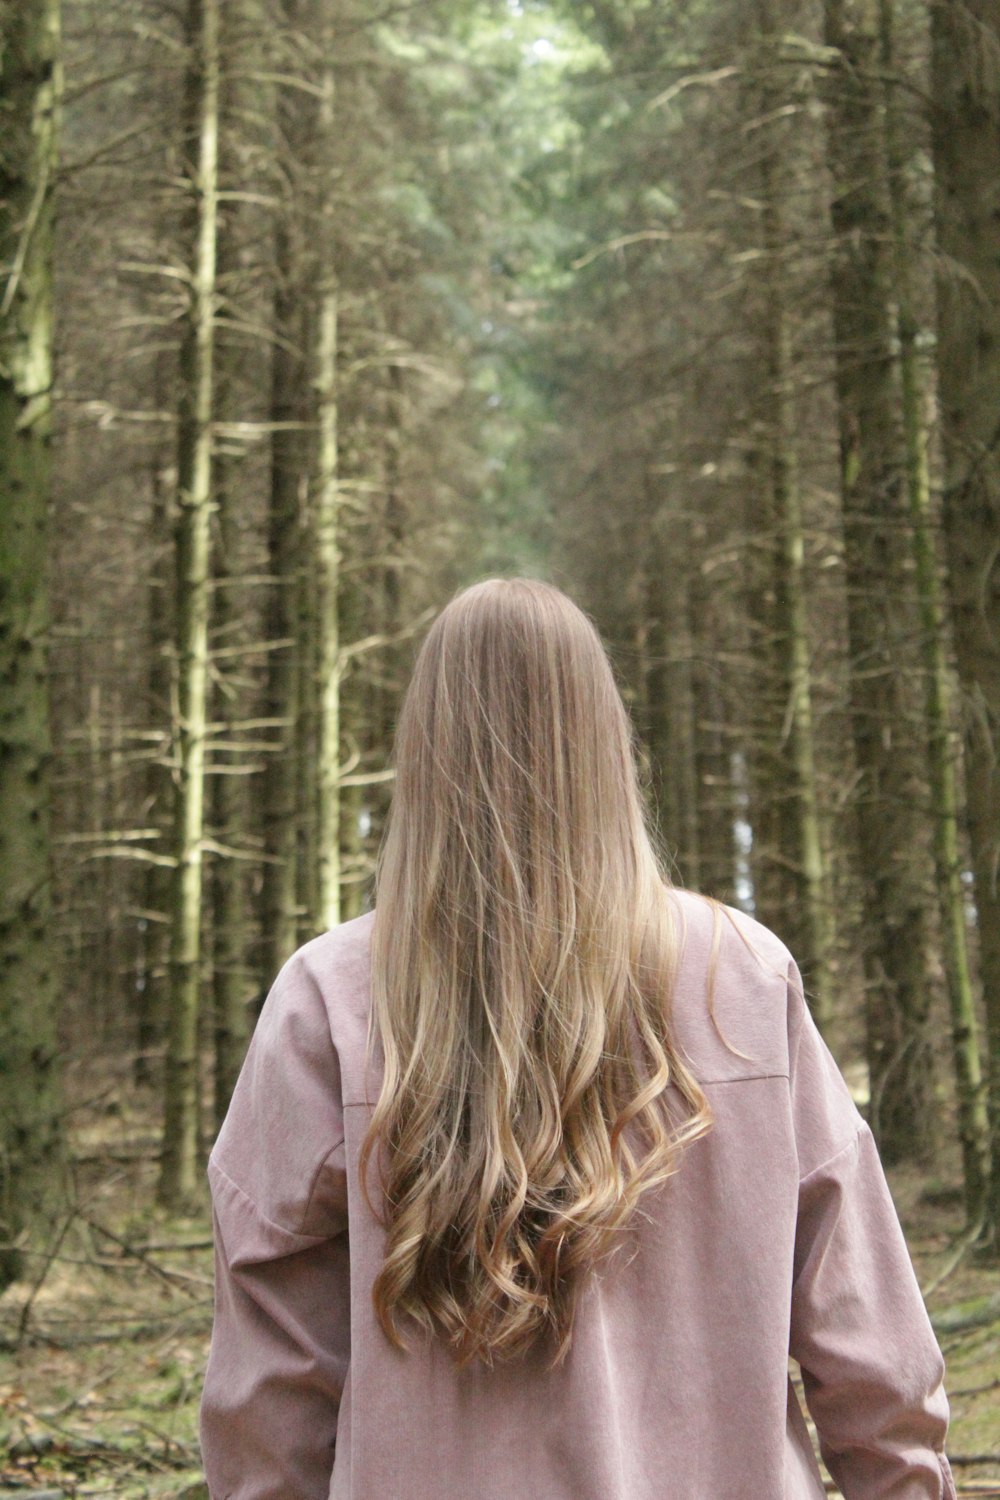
{"x":180,"y":1173}
{"x":965,"y":119}
{"x":30,"y":75}
{"x":890,"y":844}
{"x":938,"y":694}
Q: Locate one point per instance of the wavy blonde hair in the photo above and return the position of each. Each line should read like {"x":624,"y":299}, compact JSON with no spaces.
{"x":522,"y":963}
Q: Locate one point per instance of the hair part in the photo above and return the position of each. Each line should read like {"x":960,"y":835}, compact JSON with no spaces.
{"x":523,"y":955}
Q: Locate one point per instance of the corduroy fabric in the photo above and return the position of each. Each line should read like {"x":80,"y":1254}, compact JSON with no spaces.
{"x":776,"y":1238}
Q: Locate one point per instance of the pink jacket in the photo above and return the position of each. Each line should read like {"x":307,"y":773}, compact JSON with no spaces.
{"x":777,"y":1237}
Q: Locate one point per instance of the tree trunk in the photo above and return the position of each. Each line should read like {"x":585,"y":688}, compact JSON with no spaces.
{"x":966,"y":141}
{"x":230,"y":925}
{"x":762,"y":769}
{"x":656,"y":720}
{"x":891,"y":856}
{"x":969,"y":1083}
{"x":306,"y":728}
{"x":668,"y":704}
{"x":810,"y":907}
{"x":326,"y":510}
{"x":288,"y":477}
{"x":355,"y":702}
{"x":30,"y":1156}
{"x":180,"y":1176}
{"x":232,"y":985}
{"x":151,"y":957}
{"x":392,"y":545}
{"x":100,"y":816}
{"x":712,"y":752}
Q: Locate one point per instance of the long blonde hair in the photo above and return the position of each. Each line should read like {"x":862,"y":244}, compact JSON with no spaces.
{"x":522,"y":962}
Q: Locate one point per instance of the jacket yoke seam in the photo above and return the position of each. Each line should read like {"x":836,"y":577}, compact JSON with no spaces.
{"x":300,"y":1234}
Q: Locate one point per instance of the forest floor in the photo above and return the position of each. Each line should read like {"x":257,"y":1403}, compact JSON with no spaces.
{"x":102,"y":1348}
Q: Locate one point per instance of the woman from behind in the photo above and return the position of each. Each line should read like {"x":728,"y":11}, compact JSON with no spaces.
{"x":536,"y":1175}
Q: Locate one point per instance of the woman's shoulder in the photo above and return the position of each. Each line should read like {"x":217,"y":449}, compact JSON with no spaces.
{"x":341,"y":955}
{"x":336,"y":967}
{"x":702,"y":916}
{"x":735,"y":991}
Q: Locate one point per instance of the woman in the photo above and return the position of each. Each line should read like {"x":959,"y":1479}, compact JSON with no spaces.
{"x":536,"y":1176}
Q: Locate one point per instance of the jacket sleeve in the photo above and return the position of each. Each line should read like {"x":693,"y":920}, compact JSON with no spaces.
{"x":281,"y":1337}
{"x":871,"y":1367}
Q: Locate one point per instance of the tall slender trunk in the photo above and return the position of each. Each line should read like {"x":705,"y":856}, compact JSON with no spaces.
{"x":965,"y":119}
{"x":938,"y":704}
{"x":228,"y":811}
{"x":326,"y":507}
{"x":811,"y":905}
{"x":101,"y":899}
{"x":306,"y":724}
{"x":288,"y":476}
{"x":684,"y":768}
{"x":392,"y":544}
{"x":284,"y":702}
{"x":656,"y":710}
{"x":180,"y":1177}
{"x":354,"y":708}
{"x":151,"y":965}
{"x":30,"y":1140}
{"x":762,"y":769}
{"x":712,"y":752}
{"x":232,"y":984}
{"x":879,"y":623}
{"x":668,"y":702}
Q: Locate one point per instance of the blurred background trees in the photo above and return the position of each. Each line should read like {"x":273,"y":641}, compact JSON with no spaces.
{"x":693,"y":309}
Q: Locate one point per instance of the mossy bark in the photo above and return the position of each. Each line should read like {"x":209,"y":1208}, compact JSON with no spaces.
{"x":30,"y":1137}
{"x":965,"y":118}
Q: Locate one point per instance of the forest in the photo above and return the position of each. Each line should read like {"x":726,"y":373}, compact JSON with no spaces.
{"x":311,"y":313}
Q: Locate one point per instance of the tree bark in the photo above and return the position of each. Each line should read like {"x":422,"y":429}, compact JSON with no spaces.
{"x":180,"y":1175}
{"x":30,"y":1137}
{"x":281,"y":703}
{"x":392,"y":545}
{"x":668,"y":702}
{"x":879,"y":621}
{"x":763,"y":770}
{"x":938,"y":697}
{"x":810,"y":906}
{"x":151,"y":958}
{"x":716,"y":796}
{"x":326,"y":508}
{"x":306,"y":727}
{"x":965,"y":116}
{"x":230,"y":903}
{"x":232,"y":981}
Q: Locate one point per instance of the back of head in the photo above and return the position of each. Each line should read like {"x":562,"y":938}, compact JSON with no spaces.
{"x":521,"y":967}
